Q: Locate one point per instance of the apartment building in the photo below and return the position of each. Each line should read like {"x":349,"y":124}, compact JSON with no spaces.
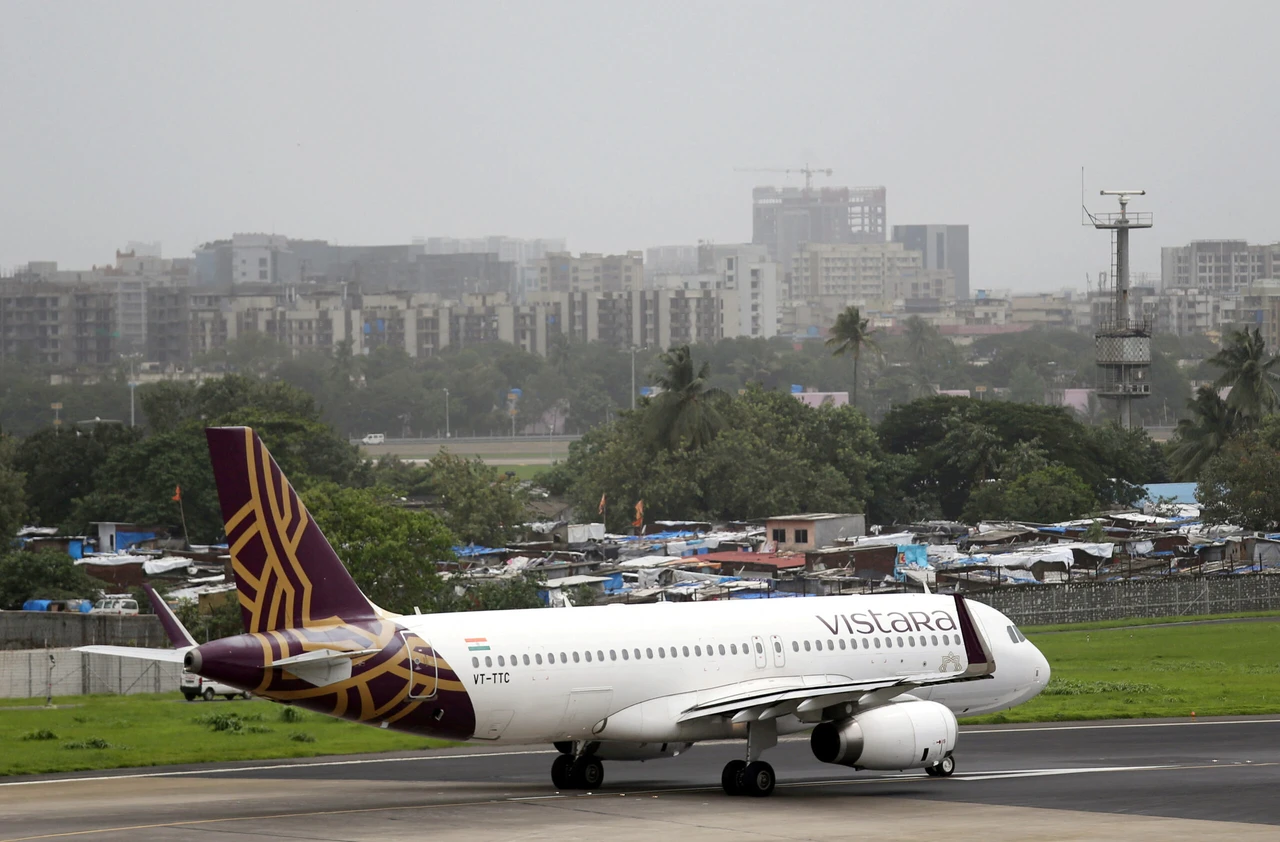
{"x":562,"y":272}
{"x":853,"y":272}
{"x":1221,"y":266}
{"x":51,"y":323}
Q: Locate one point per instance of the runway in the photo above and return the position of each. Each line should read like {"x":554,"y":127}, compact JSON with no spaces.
{"x":1163,"y":779}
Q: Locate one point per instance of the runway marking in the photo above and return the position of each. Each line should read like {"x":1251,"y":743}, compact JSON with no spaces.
{"x":275,"y":766}
{"x":634,"y":793}
{"x":366,"y":761}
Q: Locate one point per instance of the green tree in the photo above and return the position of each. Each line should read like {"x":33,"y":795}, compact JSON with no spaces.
{"x":499,"y":595}
{"x":1250,"y":372}
{"x":1047,"y":495}
{"x":1241,"y":484}
{"x":922,"y":339}
{"x":852,"y":334}
{"x":47,"y":574}
{"x":1201,"y":437}
{"x":391,"y":552}
{"x":480,"y":506}
{"x":223,"y":620}
{"x":686,"y":414}
{"x":13,"y":498}
{"x":1025,"y":386}
{"x":60,"y":466}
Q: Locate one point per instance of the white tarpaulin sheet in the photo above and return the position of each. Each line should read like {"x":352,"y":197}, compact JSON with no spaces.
{"x":893,"y":539}
{"x":580,"y":533}
{"x":155,"y":566}
{"x":649,"y":561}
{"x":1051,"y":553}
{"x":115,"y":560}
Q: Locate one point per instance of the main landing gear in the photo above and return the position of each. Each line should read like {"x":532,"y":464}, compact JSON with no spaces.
{"x":943,"y":768}
{"x":569,"y":772}
{"x":753,"y":776}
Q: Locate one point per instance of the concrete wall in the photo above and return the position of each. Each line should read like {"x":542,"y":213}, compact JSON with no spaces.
{"x":1094,"y":601}
{"x":33,"y":674}
{"x":59,"y":630}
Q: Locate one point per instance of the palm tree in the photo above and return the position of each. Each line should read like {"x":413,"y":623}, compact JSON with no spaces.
{"x":1250,"y":372}
{"x":684,"y":414}
{"x":850,"y":335}
{"x":920,"y":336}
{"x":1199,"y":438}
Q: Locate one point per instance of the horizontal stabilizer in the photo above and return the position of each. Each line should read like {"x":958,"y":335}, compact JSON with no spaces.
{"x":170,"y":656}
{"x":322,"y":666}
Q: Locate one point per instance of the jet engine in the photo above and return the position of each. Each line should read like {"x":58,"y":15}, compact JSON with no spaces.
{"x":615,"y":750}
{"x":904,"y":735}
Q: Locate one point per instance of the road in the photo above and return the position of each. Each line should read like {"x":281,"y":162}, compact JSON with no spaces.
{"x":1165,"y":780}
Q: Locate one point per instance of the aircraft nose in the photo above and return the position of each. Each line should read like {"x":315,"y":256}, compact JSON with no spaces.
{"x":1042,"y":669}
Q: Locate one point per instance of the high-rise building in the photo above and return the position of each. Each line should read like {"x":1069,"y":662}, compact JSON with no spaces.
{"x":784,"y":218}
{"x":943,"y":247}
{"x":562,"y":272}
{"x":1217,"y":265}
{"x":851,"y":272}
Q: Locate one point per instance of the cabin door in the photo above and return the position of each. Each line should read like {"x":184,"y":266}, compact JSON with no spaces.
{"x":779,"y":652}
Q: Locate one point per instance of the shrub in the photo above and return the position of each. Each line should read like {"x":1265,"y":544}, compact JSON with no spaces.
{"x":42,"y":734}
{"x":301,"y":737}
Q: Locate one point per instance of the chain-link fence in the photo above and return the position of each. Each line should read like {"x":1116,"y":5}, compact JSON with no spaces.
{"x":40,"y":673}
{"x":1088,"y":602}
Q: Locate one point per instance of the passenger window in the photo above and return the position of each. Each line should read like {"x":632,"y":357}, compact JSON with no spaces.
{"x":934,"y":639}
{"x":946,"y":639}
{"x":777,"y":646}
{"x":588,"y":654}
{"x":637,"y":651}
{"x":526,"y":660}
{"x":697,"y":650}
{"x":911,"y":640}
{"x":888,"y":643}
{"x":538,"y":659}
{"x":842,"y":643}
{"x":488,"y":661}
{"x":806,"y":646}
{"x":759,"y":648}
{"x":899,"y":642}
{"x":831,"y":646}
{"x":475,"y":662}
{"x":649,"y":652}
{"x":613,"y":654}
{"x":853,"y":643}
{"x":565,"y":660}
{"x":599,"y":654}
{"x":575,"y":657}
{"x":733,"y":648}
{"x":721,"y":648}
{"x":795,"y":646}
{"x":684,"y":650}
{"x":877,"y":642}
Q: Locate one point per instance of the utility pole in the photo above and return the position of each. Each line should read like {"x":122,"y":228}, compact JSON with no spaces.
{"x":633,"y":377}
{"x":446,"y":413}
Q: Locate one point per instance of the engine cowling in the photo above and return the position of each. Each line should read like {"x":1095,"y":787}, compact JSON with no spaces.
{"x":617,"y":750}
{"x":906,"y":735}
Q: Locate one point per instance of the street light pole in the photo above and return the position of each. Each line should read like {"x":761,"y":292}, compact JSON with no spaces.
{"x":446,"y":413}
{"x":633,"y":377}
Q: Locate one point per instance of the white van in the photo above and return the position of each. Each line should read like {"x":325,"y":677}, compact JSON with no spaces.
{"x":374,"y":438}
{"x":193,"y":687}
{"x":115,"y":604}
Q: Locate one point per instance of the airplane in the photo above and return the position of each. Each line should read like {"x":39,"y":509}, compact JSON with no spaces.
{"x":877,"y":679}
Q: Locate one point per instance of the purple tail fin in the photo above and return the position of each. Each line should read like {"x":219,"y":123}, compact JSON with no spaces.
{"x":287,"y":574}
{"x":178,"y":634}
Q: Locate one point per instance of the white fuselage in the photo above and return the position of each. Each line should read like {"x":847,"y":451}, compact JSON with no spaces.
{"x":628,"y":672}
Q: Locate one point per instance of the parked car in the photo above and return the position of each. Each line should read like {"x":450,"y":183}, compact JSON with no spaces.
{"x":115,"y":604}
{"x":193,"y":687}
{"x":374,"y":438}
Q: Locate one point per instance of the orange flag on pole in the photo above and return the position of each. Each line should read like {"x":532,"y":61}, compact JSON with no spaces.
{"x":601,"y":509}
{"x":639,"y":521}
{"x":177,"y":494}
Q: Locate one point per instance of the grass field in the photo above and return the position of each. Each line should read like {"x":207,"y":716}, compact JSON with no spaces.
{"x":1117,"y":673}
{"x":1153,"y":671}
{"x":105,"y":732}
{"x":523,"y":471}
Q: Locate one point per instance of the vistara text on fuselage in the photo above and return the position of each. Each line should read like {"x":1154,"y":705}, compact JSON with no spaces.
{"x":879,"y":680}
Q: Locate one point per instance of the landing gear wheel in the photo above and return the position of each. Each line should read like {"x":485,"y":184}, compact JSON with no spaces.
{"x":757,"y":780}
{"x":561,"y":772}
{"x":944,"y":768}
{"x":587,"y":773}
{"x":729,"y":777}
{"x":209,"y":694}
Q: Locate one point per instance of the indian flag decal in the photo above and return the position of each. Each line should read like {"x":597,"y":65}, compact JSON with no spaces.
{"x":477,"y":644}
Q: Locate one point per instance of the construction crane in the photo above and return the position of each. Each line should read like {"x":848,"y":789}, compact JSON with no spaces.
{"x":808,"y":171}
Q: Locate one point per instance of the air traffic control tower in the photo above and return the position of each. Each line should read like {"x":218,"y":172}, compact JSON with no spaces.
{"x":1122,"y":345}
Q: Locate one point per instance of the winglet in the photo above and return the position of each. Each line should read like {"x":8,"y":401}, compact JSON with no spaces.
{"x":178,"y":634}
{"x":976,"y":651}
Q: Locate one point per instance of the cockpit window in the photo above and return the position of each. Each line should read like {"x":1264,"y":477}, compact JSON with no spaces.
{"x":1015,"y":634}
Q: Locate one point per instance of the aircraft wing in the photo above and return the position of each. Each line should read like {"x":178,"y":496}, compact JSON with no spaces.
{"x":172,"y":656}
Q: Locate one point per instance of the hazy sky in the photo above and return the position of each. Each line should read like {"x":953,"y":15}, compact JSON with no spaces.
{"x":618,"y":125}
